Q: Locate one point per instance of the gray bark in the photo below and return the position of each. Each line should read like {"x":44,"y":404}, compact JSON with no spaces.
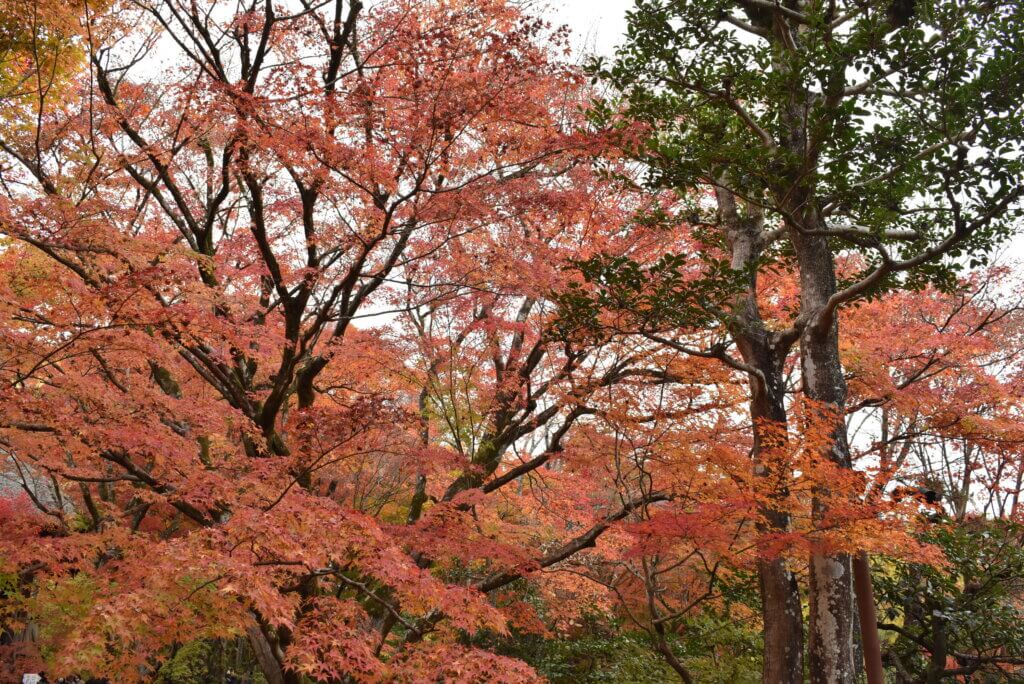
{"x":830,"y":639}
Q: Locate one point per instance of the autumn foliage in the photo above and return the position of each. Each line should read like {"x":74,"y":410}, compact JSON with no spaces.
{"x":287,"y":356}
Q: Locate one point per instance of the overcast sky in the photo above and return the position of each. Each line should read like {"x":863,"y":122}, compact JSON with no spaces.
{"x":597,"y":25}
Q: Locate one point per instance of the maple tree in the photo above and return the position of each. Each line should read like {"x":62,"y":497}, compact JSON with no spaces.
{"x":939,"y":375}
{"x":354,"y":342}
{"x":38,"y":52}
{"x":932,"y":375}
{"x":934,"y":418}
{"x":187,"y":257}
{"x":211,"y":444}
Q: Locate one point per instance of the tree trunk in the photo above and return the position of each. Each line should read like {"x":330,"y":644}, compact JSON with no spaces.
{"x":765,"y":352}
{"x":782,"y":613}
{"x":937,"y":661}
{"x":264,"y":652}
{"x":871,"y":647}
{"x":830,"y":638}
{"x":666,"y":651}
{"x":783,"y":623}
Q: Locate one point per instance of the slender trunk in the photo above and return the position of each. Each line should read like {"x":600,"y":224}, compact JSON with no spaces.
{"x":666,"y":651}
{"x":937,"y":662}
{"x":871,"y":646}
{"x":419,"y":497}
{"x":1016,"y":492}
{"x":965,"y":485}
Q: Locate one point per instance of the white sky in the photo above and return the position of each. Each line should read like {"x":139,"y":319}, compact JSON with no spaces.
{"x":597,"y":25}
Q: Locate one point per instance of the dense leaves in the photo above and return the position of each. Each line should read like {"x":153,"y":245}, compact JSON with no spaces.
{"x":364,"y":344}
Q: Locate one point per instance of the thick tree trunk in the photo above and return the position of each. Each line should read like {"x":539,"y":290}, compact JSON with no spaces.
{"x":765,"y":352}
{"x":937,"y":661}
{"x":782,"y":613}
{"x":264,"y":652}
{"x":783,"y":623}
{"x":830,"y":637}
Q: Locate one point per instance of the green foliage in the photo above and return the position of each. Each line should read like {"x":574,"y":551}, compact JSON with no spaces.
{"x":713,"y":645}
{"x":670,"y":293}
{"x":59,"y":606}
{"x":719,"y":644}
{"x":898,"y":135}
{"x":8,"y":582}
{"x":190,"y":665}
{"x":205,"y":661}
{"x":970,"y":609}
{"x":593,"y":656}
{"x":719,"y":650}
